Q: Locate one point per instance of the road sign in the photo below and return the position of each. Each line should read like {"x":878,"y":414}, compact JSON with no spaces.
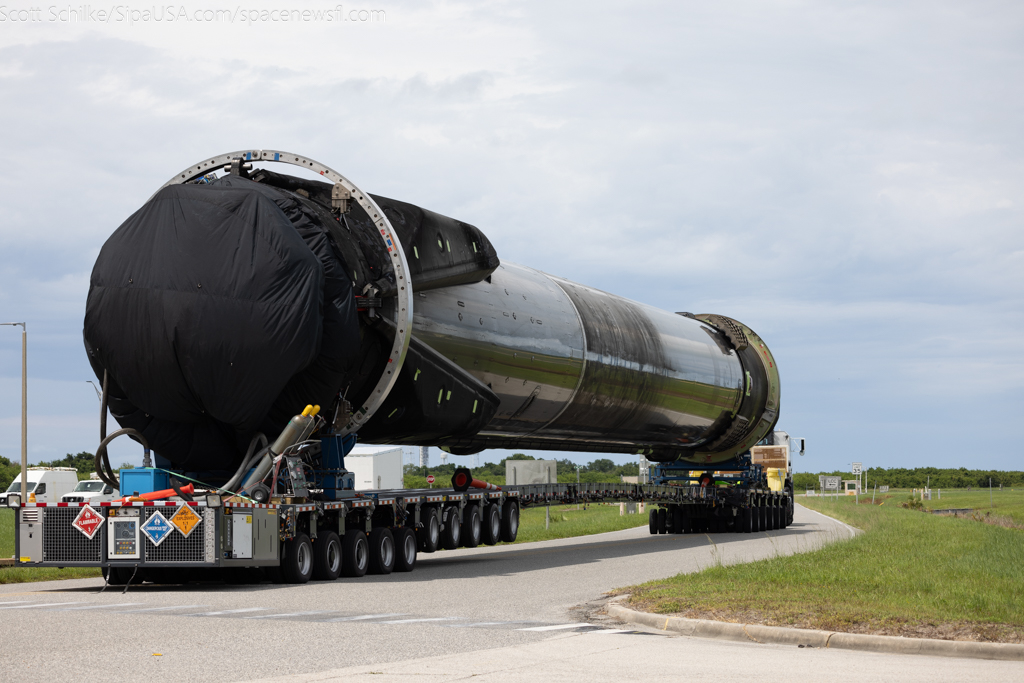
{"x":883,"y":489}
{"x":430,"y":478}
{"x":88,"y":522}
{"x":857,"y":467}
{"x":832,"y":483}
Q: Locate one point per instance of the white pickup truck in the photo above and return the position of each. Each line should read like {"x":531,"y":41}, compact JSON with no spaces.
{"x":91,"y":491}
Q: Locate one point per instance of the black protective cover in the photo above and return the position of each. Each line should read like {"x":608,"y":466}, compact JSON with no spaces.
{"x":219,"y":310}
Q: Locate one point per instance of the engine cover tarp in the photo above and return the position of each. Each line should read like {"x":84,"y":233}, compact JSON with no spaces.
{"x":218,"y":310}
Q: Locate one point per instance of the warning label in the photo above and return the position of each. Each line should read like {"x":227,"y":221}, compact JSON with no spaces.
{"x":88,"y":522}
{"x":157,"y":528}
{"x":185,"y":520}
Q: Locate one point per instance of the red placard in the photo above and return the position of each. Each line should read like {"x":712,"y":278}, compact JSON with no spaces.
{"x":88,"y":522}
{"x":430,"y":478}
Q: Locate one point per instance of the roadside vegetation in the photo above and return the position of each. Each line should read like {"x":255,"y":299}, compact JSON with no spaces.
{"x":919,"y":477}
{"x":910,"y":573}
{"x":568,"y":521}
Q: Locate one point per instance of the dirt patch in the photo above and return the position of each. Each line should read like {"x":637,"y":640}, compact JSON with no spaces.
{"x":955,"y":630}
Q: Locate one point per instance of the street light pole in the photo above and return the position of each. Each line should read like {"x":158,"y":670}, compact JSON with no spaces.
{"x":24,"y":408}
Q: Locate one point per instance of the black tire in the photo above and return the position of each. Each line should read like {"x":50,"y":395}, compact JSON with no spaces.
{"x":429,"y":535}
{"x":327,"y":557}
{"x":490,"y":528}
{"x":746,"y":520}
{"x":662,"y":520}
{"x":652,"y":521}
{"x":405,"y":549}
{"x":510,"y":521}
{"x":790,"y":508}
{"x":451,"y":530}
{"x":471,"y":532}
{"x":687,"y":520}
{"x":677,"y":518}
{"x":763,"y":519}
{"x":355,"y":553}
{"x":382,"y":551}
{"x":297,"y":560}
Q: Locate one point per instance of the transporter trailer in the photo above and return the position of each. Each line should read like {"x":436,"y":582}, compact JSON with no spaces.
{"x":190,"y":533}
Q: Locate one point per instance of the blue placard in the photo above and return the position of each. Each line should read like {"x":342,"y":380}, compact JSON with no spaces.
{"x":157,"y":528}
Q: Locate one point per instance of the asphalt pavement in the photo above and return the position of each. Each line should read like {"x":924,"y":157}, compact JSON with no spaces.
{"x":518,"y":612}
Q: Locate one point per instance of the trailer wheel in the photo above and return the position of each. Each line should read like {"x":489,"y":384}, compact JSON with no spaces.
{"x":355,"y":553}
{"x":327,"y":557}
{"x":662,"y":520}
{"x":405,"y":545}
{"x":790,"y":507}
{"x":762,"y":521}
{"x":509,"y":521}
{"x":471,"y":526}
{"x":652,"y":521}
{"x":451,"y":534}
{"x":382,"y":551}
{"x":429,"y":535}
{"x":491,"y":526}
{"x":677,"y":518}
{"x":297,"y":560}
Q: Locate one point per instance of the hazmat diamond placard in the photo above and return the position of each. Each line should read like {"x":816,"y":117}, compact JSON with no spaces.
{"x":157,"y":528}
{"x":88,"y":522}
{"x":185,"y":520}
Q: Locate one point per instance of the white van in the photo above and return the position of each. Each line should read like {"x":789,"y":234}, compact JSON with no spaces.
{"x":45,"y":484}
{"x":91,"y":490}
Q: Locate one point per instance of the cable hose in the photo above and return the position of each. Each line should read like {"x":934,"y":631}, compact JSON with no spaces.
{"x":246,"y":461}
{"x":103,"y":464}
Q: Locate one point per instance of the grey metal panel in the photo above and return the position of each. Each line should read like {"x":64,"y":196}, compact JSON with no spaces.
{"x":264,"y":534}
{"x":30,"y":536}
{"x":241,"y":534}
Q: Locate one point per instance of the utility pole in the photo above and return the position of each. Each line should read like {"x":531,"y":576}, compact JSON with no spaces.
{"x":24,"y":408}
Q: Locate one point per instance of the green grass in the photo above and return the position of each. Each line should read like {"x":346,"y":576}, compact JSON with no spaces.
{"x":26,"y":574}
{"x":567,"y":521}
{"x":910,"y":573}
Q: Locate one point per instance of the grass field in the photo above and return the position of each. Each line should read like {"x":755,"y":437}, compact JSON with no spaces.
{"x":566,"y":521}
{"x":910,"y":573}
{"x":26,"y":574}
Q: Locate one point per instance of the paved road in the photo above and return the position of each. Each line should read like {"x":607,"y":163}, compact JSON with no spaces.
{"x":483,"y":611}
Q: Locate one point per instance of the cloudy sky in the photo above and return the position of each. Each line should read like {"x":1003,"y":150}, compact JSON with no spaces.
{"x":845,"y":178}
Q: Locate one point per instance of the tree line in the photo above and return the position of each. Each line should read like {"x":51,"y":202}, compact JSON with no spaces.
{"x":918,"y":477}
{"x":601,"y":470}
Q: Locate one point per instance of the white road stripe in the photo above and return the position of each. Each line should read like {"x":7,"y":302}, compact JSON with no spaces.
{"x":416,"y":621}
{"x":559,"y":627}
{"x":613,"y":630}
{"x":484,"y":623}
{"x":45,"y":604}
{"x":68,"y":609}
{"x":12,"y":602}
{"x":290,"y":614}
{"x":160,"y":609}
{"x":367,"y":616}
{"x":228,"y":611}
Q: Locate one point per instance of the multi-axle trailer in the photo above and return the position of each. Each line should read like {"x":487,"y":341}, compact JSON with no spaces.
{"x":374,"y":532}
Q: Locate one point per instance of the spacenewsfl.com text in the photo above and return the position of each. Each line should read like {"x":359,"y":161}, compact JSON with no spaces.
{"x":160,"y":14}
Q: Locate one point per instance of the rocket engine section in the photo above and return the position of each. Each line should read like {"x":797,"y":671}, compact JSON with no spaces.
{"x":228,"y":302}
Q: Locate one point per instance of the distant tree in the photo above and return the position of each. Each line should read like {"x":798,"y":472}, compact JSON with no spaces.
{"x":601,"y":465}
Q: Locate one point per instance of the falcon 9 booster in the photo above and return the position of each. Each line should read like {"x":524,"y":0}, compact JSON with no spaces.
{"x":236,"y":295}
